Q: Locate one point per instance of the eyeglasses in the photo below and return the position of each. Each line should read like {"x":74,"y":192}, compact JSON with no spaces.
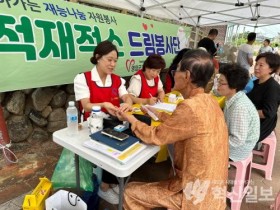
{"x":183,"y":71}
{"x":8,"y":154}
{"x":222,"y":83}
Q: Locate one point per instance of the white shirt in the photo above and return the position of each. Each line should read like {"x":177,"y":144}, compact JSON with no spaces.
{"x":135,"y":85}
{"x":275,"y":50}
{"x":245,"y":52}
{"x":82,"y":90}
{"x":265,"y":49}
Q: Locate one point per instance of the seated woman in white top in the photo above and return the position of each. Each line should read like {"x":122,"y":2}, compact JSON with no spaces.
{"x":145,"y":85}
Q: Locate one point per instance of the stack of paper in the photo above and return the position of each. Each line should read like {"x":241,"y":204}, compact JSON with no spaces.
{"x":122,"y":151}
{"x":121,"y":156}
{"x":165,"y":107}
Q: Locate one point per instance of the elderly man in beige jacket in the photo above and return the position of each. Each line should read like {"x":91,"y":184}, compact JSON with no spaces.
{"x":199,"y":133}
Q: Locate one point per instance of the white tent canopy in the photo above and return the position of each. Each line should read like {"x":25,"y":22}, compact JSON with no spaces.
{"x":204,"y":12}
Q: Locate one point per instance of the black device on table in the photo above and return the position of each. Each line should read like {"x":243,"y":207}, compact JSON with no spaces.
{"x":114,"y":134}
{"x":114,"y":121}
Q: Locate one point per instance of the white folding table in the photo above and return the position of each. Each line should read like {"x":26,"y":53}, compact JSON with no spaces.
{"x":121,"y":171}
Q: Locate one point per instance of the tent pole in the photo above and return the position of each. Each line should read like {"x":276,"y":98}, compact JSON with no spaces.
{"x":236,"y":35}
{"x":142,"y":8}
{"x":196,"y":37}
{"x":243,"y":33}
{"x":231,"y":34}
{"x":196,"y":32}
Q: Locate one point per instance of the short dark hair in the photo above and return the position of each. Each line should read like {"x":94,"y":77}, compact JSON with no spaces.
{"x":237,"y":77}
{"x":213,"y":31}
{"x":175,"y":62}
{"x":267,"y":40}
{"x":251,"y":36}
{"x":103,"y":48}
{"x":200,"y":65}
{"x":273,"y":60}
{"x":154,"y":61}
{"x":178,"y":58}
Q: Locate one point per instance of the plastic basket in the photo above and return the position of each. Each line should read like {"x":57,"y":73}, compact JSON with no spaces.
{"x":36,"y":200}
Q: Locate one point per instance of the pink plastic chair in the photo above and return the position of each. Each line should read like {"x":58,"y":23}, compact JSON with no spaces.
{"x":268,"y":154}
{"x":241,"y":182}
{"x":276,"y":205}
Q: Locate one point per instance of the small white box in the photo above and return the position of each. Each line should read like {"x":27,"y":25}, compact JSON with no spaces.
{"x":172,"y":98}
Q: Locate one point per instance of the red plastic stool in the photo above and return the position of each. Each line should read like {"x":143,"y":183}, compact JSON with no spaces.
{"x":268,"y":154}
{"x":241,"y":182}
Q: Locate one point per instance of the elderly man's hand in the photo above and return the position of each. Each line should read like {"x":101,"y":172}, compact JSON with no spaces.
{"x":124,"y":116}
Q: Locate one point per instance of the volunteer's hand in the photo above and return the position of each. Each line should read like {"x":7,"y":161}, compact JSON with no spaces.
{"x":110,"y":108}
{"x":152,"y":100}
{"x":125,"y":107}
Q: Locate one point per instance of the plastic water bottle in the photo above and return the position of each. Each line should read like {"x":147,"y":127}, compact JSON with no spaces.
{"x":96,"y":119}
{"x":72,"y":119}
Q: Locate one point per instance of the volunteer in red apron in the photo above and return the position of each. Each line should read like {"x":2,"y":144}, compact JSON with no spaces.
{"x":100,"y":87}
{"x":145,"y":85}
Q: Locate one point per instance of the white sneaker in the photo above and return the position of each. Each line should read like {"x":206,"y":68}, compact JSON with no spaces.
{"x":110,"y":196}
{"x":116,"y":189}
